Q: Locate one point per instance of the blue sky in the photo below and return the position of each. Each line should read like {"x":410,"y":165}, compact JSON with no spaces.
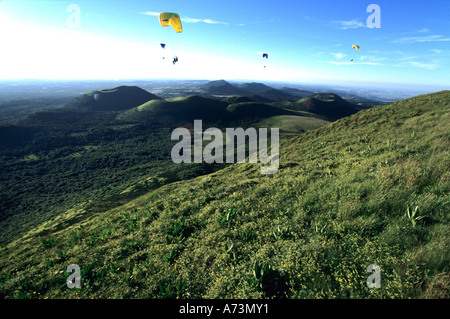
{"x":307,"y":41}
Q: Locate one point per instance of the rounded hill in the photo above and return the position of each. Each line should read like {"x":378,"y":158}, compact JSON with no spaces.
{"x":185,"y":108}
{"x":116,"y":99}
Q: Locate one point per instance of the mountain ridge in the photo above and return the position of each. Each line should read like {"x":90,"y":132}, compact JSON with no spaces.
{"x":225,"y":88}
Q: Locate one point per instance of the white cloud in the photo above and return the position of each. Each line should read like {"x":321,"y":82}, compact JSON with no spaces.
{"x":436,"y":51}
{"x":208,"y":21}
{"x":428,"y":38}
{"x":94,"y":15}
{"x":351,"y":24}
{"x":150,"y":13}
{"x":429,"y":66}
{"x":339,"y":55}
{"x":372,"y":57}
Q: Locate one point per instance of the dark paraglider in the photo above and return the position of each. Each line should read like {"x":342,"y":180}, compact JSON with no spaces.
{"x":265,"y":56}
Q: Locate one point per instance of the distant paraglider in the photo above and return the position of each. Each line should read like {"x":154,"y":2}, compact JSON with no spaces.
{"x":163,"y":45}
{"x":265,"y":56}
{"x":355,"y":47}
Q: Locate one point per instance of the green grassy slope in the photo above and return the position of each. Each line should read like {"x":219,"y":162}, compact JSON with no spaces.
{"x":338,"y":204}
{"x":293,"y":124}
{"x":256,"y":110}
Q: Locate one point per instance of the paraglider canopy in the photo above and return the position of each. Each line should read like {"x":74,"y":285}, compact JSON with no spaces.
{"x":265,"y":56}
{"x":173,"y":19}
{"x":355,"y":47}
{"x":163,"y":45}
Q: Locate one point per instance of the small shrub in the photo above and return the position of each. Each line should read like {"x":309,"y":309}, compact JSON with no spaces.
{"x":228,"y":218}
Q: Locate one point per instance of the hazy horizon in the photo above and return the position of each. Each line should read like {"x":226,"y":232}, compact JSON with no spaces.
{"x":390,"y":89}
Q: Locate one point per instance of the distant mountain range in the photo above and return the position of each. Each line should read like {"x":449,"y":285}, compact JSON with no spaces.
{"x":70,"y":95}
{"x":215,"y":101}
{"x":260,"y":91}
{"x":326,"y":104}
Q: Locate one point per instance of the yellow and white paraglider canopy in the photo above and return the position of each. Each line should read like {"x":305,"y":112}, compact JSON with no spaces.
{"x":173,"y":19}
